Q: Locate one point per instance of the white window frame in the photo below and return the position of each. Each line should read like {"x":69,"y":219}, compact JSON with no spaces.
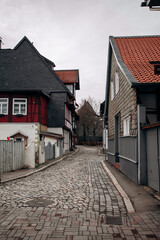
{"x":112,"y":90}
{"x":126,"y":126}
{"x":20,"y":103}
{"x":1,"y":104}
{"x":70,"y":88}
{"x":116,"y":82}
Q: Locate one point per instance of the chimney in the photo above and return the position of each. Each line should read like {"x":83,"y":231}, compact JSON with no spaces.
{"x":0,"y":42}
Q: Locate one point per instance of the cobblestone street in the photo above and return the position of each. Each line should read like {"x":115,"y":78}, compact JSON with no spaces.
{"x":72,"y":200}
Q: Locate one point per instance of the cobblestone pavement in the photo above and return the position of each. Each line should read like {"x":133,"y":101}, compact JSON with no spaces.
{"x":72,"y":200}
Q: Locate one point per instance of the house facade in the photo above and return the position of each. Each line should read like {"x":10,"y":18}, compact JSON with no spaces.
{"x":71,"y":80}
{"x":132,"y":102}
{"x":33,"y":100}
{"x":90,"y":125}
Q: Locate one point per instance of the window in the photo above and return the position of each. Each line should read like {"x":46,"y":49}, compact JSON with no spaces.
{"x":19,"y":106}
{"x":116,"y":82}
{"x":112,"y":90}
{"x":4,"y":106}
{"x":126,"y":126}
{"x":19,"y":139}
{"x":70,"y":87}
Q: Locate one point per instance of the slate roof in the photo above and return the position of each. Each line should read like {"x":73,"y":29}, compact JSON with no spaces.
{"x":52,"y":135}
{"x":137,"y":53}
{"x":23,"y":68}
{"x":69,"y":76}
{"x":86,"y":107}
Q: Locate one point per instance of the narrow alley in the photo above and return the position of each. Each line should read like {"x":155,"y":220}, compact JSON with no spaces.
{"x":71,"y":200}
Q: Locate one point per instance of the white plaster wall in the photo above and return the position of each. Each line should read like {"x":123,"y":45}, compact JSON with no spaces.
{"x":56,"y":130}
{"x":66,"y":141}
{"x":29,"y":155}
{"x":29,"y":129}
{"x":48,"y":139}
{"x":41,"y":152}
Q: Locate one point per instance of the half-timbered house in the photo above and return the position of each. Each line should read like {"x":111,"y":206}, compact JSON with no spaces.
{"x":33,"y":99}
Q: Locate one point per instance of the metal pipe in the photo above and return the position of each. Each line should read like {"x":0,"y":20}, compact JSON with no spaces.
{"x":158,"y":157}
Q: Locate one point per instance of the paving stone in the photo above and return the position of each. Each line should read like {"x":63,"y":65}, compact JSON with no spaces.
{"x":75,"y":197}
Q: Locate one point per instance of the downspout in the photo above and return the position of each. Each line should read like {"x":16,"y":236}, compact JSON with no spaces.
{"x":138,"y":143}
{"x":142,"y":161}
{"x":158,"y":158}
{"x":107,"y":95}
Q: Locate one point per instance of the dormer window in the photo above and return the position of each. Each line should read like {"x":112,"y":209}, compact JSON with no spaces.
{"x":156,"y":67}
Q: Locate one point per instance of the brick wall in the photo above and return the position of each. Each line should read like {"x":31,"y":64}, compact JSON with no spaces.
{"x":124,"y":102}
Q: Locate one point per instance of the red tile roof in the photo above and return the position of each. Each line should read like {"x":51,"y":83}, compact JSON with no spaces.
{"x":136,"y":53}
{"x":67,"y":76}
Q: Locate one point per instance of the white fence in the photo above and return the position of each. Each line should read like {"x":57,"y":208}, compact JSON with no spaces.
{"x":11,"y":155}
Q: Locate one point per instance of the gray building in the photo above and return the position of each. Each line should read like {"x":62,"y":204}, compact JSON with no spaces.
{"x":132,"y":107}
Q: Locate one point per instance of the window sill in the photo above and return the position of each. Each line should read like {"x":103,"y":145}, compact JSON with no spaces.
{"x":19,"y":115}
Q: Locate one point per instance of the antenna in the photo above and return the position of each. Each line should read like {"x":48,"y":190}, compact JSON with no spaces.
{"x":1,"y":43}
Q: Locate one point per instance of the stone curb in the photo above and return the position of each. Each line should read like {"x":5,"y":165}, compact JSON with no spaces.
{"x":40,"y":169}
{"x":128,"y":204}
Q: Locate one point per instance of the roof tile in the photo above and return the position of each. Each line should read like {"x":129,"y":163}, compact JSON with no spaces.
{"x":67,"y":76}
{"x":136,"y":53}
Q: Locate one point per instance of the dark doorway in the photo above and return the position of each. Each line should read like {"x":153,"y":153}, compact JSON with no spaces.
{"x":117,"y":120}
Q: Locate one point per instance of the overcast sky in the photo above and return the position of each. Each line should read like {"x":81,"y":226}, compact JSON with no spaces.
{"x":74,"y":33}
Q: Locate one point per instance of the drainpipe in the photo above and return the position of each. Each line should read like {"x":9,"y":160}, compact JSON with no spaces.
{"x":0,"y":42}
{"x":158,"y":157}
{"x":142,"y":158}
{"x":0,"y":171}
{"x":105,"y":142}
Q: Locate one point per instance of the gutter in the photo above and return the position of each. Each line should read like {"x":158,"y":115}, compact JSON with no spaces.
{"x":145,"y":85}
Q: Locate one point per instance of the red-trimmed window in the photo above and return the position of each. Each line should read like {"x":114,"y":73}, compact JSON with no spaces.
{"x":19,"y":106}
{"x":4,"y":106}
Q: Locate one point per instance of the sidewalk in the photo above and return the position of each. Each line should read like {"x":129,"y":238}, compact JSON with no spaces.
{"x":143,"y":198}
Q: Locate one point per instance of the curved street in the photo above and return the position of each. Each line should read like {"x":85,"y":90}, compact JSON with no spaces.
{"x":72,"y":200}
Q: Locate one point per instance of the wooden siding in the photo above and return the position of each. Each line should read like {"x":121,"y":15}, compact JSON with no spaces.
{"x":12,"y":155}
{"x":124,"y":103}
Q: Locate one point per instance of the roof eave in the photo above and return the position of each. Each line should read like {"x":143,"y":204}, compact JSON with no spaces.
{"x":25,"y":91}
{"x":145,"y":85}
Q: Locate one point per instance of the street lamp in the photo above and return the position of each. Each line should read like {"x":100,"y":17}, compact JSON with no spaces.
{"x":154,"y":5}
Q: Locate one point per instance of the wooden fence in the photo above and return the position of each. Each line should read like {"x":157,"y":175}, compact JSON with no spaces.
{"x":49,"y":151}
{"x":11,"y":155}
